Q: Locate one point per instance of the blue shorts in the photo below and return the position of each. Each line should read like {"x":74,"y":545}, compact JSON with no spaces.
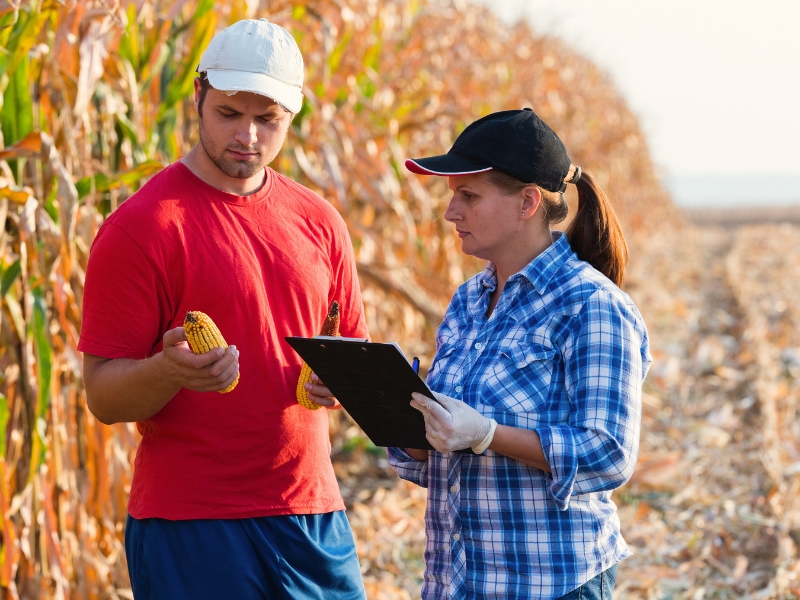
{"x":265,"y":558}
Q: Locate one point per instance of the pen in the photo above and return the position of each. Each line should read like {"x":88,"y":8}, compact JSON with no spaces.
{"x":415,"y":365}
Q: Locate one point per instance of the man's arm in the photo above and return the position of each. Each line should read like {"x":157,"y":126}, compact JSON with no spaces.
{"x":126,"y":389}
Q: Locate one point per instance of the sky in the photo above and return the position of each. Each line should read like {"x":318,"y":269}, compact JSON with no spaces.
{"x":715,"y":85}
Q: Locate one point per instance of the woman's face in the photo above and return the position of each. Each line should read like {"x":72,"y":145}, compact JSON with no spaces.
{"x":486,"y":218}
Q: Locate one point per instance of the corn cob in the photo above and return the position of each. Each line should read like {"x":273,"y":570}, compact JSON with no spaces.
{"x":330,"y":327}
{"x":203,"y":336}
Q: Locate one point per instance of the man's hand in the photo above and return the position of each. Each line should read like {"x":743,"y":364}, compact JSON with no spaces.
{"x":208,"y":372}
{"x":127,"y":389}
{"x":319,"y":394}
{"x":450,"y":424}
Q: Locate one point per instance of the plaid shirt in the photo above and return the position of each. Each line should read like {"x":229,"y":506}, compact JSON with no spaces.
{"x":564,"y":353}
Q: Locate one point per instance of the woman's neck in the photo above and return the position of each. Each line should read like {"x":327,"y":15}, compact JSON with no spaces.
{"x":515,"y":259}
{"x":514,"y":262}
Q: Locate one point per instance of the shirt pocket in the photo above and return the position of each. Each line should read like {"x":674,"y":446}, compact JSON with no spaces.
{"x":440,"y":361}
{"x":519,"y":379}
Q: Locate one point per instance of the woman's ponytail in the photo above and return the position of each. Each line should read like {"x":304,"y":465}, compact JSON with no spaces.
{"x":595,"y":234}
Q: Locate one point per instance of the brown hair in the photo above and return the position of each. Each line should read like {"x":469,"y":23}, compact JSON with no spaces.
{"x":204,"y":85}
{"x":595,"y":234}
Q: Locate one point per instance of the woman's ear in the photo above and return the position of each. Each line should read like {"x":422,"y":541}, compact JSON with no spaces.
{"x":531,"y":200}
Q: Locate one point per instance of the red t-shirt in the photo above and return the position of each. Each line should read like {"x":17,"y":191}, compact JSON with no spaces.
{"x":262,"y":267}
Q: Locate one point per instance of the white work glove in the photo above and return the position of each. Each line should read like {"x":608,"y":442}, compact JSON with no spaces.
{"x":452,"y":425}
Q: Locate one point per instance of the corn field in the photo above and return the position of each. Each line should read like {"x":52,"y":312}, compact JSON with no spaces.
{"x":96,"y":97}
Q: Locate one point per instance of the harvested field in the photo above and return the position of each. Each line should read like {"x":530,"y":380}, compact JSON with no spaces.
{"x":712,"y":509}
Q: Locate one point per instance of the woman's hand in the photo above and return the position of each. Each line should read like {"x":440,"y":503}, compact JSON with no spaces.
{"x":450,"y":424}
{"x":319,"y":394}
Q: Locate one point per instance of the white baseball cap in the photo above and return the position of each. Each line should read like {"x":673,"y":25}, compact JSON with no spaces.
{"x":259,"y":57}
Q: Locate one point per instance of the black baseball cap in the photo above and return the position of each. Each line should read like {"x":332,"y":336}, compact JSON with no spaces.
{"x":516,"y":142}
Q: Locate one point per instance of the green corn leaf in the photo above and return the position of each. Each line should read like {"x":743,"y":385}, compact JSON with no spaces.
{"x":139,"y":172}
{"x":156,"y":66}
{"x":128,"y":130}
{"x":6,"y":23}
{"x":129,"y":42}
{"x":144,"y":49}
{"x":336,"y":55}
{"x":21,"y":36}
{"x":168,"y":144}
{"x":203,"y":7}
{"x":103,"y":183}
{"x":17,"y":111}
{"x":44,"y":351}
{"x":17,"y":39}
{"x":305,"y":110}
{"x":44,"y":366}
{"x":94,"y":183}
{"x":9,"y":277}
{"x":372,"y":57}
{"x":182,"y":84}
{"x":50,"y":205}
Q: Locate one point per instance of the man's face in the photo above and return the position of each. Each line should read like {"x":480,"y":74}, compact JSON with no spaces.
{"x":241,"y":134}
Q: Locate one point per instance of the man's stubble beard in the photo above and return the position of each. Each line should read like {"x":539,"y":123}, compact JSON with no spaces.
{"x":231,"y":168}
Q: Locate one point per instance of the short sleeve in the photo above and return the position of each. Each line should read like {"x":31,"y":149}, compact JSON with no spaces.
{"x":346,"y":285}
{"x":124,"y":304}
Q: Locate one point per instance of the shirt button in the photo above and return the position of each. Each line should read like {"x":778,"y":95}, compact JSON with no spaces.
{"x":454,"y":488}
{"x":478,"y":345}
{"x":456,"y":537}
{"x":458,"y":388}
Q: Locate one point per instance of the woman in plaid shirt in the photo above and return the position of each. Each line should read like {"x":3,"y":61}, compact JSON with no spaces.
{"x":538,"y":375}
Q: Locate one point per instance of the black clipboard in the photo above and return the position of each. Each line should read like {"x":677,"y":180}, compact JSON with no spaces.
{"x":373,"y":382}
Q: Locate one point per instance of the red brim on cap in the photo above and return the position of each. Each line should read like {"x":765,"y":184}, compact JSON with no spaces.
{"x":446,"y":165}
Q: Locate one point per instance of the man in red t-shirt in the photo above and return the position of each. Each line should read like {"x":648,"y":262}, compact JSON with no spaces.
{"x":234,"y":495}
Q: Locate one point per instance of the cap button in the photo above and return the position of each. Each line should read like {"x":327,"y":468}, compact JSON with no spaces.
{"x":526,"y":108}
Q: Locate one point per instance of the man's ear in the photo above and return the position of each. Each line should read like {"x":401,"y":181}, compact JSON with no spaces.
{"x":531,"y":200}
{"x":197,"y":92}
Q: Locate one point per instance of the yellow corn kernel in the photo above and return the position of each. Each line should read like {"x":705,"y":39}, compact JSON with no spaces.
{"x":203,"y":336}
{"x":331,"y":328}
{"x":302,"y":394}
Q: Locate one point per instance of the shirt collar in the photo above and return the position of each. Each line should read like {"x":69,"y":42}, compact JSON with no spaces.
{"x":538,"y":272}
{"x":542,"y":268}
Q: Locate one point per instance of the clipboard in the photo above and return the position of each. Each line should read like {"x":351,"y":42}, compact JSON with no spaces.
{"x":373,"y":382}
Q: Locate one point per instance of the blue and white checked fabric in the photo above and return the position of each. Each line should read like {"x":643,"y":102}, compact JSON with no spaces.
{"x":564,"y":353}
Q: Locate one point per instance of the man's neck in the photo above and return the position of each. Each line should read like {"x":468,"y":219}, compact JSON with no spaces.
{"x":205,"y":170}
